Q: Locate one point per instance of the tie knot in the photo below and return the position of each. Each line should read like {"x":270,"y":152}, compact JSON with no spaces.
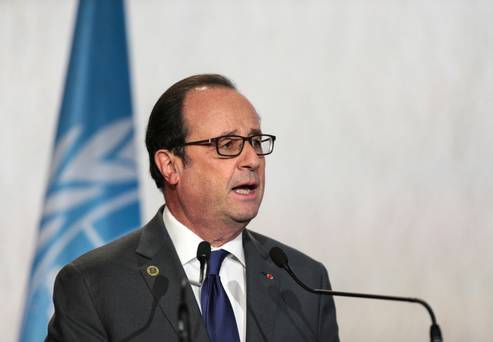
{"x":215,"y":260}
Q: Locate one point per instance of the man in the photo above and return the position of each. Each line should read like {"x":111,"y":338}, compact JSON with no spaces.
{"x":207,"y":155}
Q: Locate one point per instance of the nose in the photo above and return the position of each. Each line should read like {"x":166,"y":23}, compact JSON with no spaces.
{"x":248,"y":159}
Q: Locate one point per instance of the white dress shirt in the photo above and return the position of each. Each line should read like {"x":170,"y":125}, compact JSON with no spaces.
{"x":232,"y":272}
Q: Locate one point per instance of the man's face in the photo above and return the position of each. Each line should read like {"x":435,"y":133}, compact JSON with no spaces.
{"x":215,"y":189}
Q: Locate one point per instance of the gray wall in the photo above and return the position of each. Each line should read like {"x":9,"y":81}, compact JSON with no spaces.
{"x":382,"y":168}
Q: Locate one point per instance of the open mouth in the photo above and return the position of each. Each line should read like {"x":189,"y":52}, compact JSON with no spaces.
{"x":245,"y":189}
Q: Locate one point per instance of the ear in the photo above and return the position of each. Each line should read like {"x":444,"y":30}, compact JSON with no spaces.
{"x":167,"y":163}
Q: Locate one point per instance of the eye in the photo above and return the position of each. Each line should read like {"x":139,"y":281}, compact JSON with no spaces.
{"x":226,"y":143}
{"x":257,"y":142}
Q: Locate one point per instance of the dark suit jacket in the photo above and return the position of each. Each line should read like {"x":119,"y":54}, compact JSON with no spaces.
{"x":108,"y":295}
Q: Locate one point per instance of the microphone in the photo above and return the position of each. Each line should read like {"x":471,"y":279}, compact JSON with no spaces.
{"x":281,"y":260}
{"x":183,"y":314}
{"x":203,"y":253}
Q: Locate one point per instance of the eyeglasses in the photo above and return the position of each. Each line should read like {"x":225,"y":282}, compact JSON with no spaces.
{"x":232,"y":145}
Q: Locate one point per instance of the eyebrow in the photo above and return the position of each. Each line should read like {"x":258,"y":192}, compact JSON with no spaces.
{"x":235,"y":132}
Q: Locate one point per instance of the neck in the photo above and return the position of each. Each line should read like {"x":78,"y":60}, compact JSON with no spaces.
{"x":213,"y":230}
{"x":219,"y":240}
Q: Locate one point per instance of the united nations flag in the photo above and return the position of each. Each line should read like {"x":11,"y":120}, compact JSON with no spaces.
{"x":92,"y":195}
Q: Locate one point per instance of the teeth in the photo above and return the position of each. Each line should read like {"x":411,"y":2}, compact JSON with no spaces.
{"x":242,"y":191}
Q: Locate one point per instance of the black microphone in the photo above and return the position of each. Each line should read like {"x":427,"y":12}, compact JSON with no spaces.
{"x":183,"y":314}
{"x":281,"y":260}
{"x":203,"y":254}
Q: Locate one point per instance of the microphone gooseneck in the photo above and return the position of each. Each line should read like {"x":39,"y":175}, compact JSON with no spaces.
{"x":279,"y":257}
{"x":183,"y":314}
{"x":203,"y":254}
{"x":281,"y":260}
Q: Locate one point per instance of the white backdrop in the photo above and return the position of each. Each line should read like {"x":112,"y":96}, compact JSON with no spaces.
{"x":383,"y":165}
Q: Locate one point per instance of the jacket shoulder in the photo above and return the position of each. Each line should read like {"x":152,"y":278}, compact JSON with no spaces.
{"x":118,"y":253}
{"x":296,"y":258}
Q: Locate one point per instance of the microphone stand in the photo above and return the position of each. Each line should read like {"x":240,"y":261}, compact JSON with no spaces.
{"x":203,"y":254}
{"x":183,"y":315}
{"x":280,"y":259}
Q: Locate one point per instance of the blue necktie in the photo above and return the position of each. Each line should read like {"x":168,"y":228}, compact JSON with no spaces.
{"x":216,"y":307}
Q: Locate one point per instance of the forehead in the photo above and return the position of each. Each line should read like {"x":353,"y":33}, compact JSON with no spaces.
{"x":215,"y":111}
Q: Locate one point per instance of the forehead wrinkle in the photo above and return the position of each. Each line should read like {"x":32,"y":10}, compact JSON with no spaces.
{"x":230,"y":132}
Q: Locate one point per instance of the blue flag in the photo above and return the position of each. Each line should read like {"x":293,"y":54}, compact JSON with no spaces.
{"x":92,"y":195}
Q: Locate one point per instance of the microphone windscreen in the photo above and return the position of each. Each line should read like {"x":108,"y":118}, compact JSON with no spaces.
{"x":278,"y":257}
{"x":203,"y":250}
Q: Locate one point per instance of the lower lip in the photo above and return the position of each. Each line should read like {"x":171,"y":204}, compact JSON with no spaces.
{"x":251,"y":194}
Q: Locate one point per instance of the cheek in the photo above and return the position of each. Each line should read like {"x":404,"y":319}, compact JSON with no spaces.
{"x":219,"y":173}
{"x":207,"y":181}
{"x":261,"y":171}
{"x":207,"y":174}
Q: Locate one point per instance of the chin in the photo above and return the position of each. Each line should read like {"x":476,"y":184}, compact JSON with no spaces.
{"x":244,"y":217}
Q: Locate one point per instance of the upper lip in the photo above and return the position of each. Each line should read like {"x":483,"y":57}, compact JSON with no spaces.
{"x":248,"y":184}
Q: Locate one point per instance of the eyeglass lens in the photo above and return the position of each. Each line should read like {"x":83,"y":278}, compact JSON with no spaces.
{"x":231,"y":146}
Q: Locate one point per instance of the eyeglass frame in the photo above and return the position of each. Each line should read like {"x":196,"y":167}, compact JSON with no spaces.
{"x":213,"y":141}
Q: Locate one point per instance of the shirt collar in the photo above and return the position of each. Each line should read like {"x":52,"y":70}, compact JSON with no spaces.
{"x":235,"y":248}
{"x":186,"y":241}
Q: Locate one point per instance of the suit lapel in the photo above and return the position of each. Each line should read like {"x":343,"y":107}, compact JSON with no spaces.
{"x":262,"y":290}
{"x":163,"y":273}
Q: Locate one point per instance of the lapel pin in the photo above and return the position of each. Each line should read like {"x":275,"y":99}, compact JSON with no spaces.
{"x":152,"y":270}
{"x":268,"y":275}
